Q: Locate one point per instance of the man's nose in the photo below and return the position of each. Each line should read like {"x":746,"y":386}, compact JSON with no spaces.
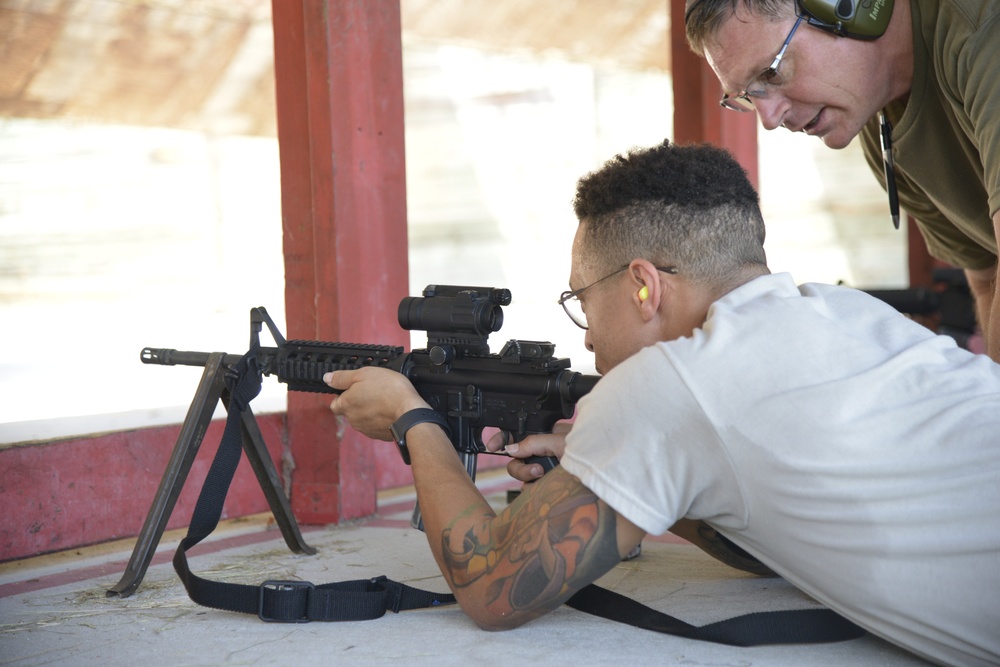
{"x":771,"y":110}
{"x":587,"y":343}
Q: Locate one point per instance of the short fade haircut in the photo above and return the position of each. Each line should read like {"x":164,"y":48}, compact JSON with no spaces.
{"x":703,"y":18}
{"x":689,"y":206}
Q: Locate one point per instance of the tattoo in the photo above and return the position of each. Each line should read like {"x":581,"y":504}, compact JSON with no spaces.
{"x":554,"y":539}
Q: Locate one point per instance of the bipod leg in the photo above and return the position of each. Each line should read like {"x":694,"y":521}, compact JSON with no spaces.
{"x":267,"y":476}
{"x":199,"y":415}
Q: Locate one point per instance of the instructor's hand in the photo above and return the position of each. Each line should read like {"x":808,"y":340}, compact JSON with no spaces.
{"x":372,"y":399}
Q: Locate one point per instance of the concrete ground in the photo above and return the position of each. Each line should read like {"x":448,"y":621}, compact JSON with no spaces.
{"x":53,"y":609}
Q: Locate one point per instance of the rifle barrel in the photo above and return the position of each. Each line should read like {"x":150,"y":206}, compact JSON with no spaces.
{"x":168,"y":357}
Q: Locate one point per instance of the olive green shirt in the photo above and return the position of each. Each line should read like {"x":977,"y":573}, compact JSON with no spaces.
{"x":946,"y":137}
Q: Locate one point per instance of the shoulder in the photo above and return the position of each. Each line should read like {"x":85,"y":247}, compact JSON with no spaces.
{"x":960,"y":33}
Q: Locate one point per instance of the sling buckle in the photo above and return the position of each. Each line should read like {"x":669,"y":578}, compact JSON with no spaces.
{"x":273,"y":589}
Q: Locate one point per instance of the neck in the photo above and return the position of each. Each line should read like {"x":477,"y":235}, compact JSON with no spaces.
{"x":690,"y":307}
{"x":897,"y":52}
{"x":741,"y":277}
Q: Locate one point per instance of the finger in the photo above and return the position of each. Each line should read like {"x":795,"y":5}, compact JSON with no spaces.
{"x":562,"y":427}
{"x":335,"y":405}
{"x":339,"y":380}
{"x":525,"y":472}
{"x":541,"y":444}
{"x":499,"y":441}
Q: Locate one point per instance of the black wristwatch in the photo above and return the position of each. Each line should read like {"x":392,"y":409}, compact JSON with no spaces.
{"x":411,"y":419}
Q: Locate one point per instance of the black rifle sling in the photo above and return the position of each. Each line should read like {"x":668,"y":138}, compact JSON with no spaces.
{"x":798,"y":626}
{"x":301,"y":601}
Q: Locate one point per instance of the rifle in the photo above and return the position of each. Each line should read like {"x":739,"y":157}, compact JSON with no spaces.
{"x":947,"y":308}
{"x":522,"y":390}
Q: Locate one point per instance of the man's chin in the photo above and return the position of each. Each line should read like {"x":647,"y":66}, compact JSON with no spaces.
{"x":836,"y":140}
{"x":839,"y":136}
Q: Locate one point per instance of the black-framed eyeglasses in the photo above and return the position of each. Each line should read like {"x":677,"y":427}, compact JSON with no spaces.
{"x":570,"y":299}
{"x":758,"y":86}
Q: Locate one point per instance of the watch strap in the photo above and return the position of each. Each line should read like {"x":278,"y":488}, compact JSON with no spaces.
{"x":411,"y":419}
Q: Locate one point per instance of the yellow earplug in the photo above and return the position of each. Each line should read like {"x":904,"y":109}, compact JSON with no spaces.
{"x":643,"y":293}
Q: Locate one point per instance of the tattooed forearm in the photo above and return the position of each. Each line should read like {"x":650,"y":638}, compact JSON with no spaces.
{"x":556,"y":538}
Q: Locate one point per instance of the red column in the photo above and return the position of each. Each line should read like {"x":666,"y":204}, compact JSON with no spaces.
{"x":339,"y":86}
{"x":697,"y":114}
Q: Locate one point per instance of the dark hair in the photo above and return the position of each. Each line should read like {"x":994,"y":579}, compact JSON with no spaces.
{"x":689,"y":206}
{"x":703,"y":18}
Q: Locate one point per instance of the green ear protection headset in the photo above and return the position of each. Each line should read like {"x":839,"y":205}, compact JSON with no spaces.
{"x":857,"y":19}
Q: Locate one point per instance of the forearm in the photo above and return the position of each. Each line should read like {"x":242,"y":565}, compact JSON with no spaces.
{"x":510,"y":568}
{"x":708,"y":540}
{"x":989,"y":320}
{"x":988,"y":303}
{"x":985,"y":290}
{"x":447,"y":498}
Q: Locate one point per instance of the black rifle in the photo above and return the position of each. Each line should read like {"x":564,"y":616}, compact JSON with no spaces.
{"x":522,"y":390}
{"x":947,"y":308}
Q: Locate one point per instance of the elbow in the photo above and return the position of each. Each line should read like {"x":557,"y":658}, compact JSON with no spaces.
{"x":492,"y":623}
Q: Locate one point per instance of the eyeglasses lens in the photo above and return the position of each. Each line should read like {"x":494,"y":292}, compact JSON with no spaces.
{"x":574,"y":309}
{"x":757,"y":88}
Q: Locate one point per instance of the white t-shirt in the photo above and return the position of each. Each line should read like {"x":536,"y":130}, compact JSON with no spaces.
{"x":851,"y":450}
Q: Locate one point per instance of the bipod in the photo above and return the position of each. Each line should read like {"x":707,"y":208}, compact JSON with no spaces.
{"x":211,"y":390}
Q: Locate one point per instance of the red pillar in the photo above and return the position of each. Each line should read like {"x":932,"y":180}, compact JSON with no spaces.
{"x":339,"y":86}
{"x":697,"y":114}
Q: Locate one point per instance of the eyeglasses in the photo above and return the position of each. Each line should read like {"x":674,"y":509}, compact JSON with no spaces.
{"x":570,"y":299}
{"x":758,"y":86}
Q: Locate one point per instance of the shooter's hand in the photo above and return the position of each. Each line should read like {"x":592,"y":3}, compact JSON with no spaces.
{"x":372,"y":399}
{"x":540,"y":445}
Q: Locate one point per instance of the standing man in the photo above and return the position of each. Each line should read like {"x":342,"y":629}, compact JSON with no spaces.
{"x":919,"y":80}
{"x":847,"y":448}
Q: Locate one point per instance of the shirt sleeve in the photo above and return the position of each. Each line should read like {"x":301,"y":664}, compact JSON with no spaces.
{"x":643,"y":444}
{"x":977,"y":90}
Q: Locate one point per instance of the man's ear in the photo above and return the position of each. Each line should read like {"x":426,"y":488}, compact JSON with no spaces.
{"x":647,"y":290}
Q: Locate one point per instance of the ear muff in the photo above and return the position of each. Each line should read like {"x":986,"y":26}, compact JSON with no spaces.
{"x":857,"y":19}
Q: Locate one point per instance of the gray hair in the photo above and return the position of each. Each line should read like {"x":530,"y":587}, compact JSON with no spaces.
{"x":703,"y":18}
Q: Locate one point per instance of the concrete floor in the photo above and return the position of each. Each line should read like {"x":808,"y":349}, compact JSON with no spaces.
{"x":53,"y":609}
